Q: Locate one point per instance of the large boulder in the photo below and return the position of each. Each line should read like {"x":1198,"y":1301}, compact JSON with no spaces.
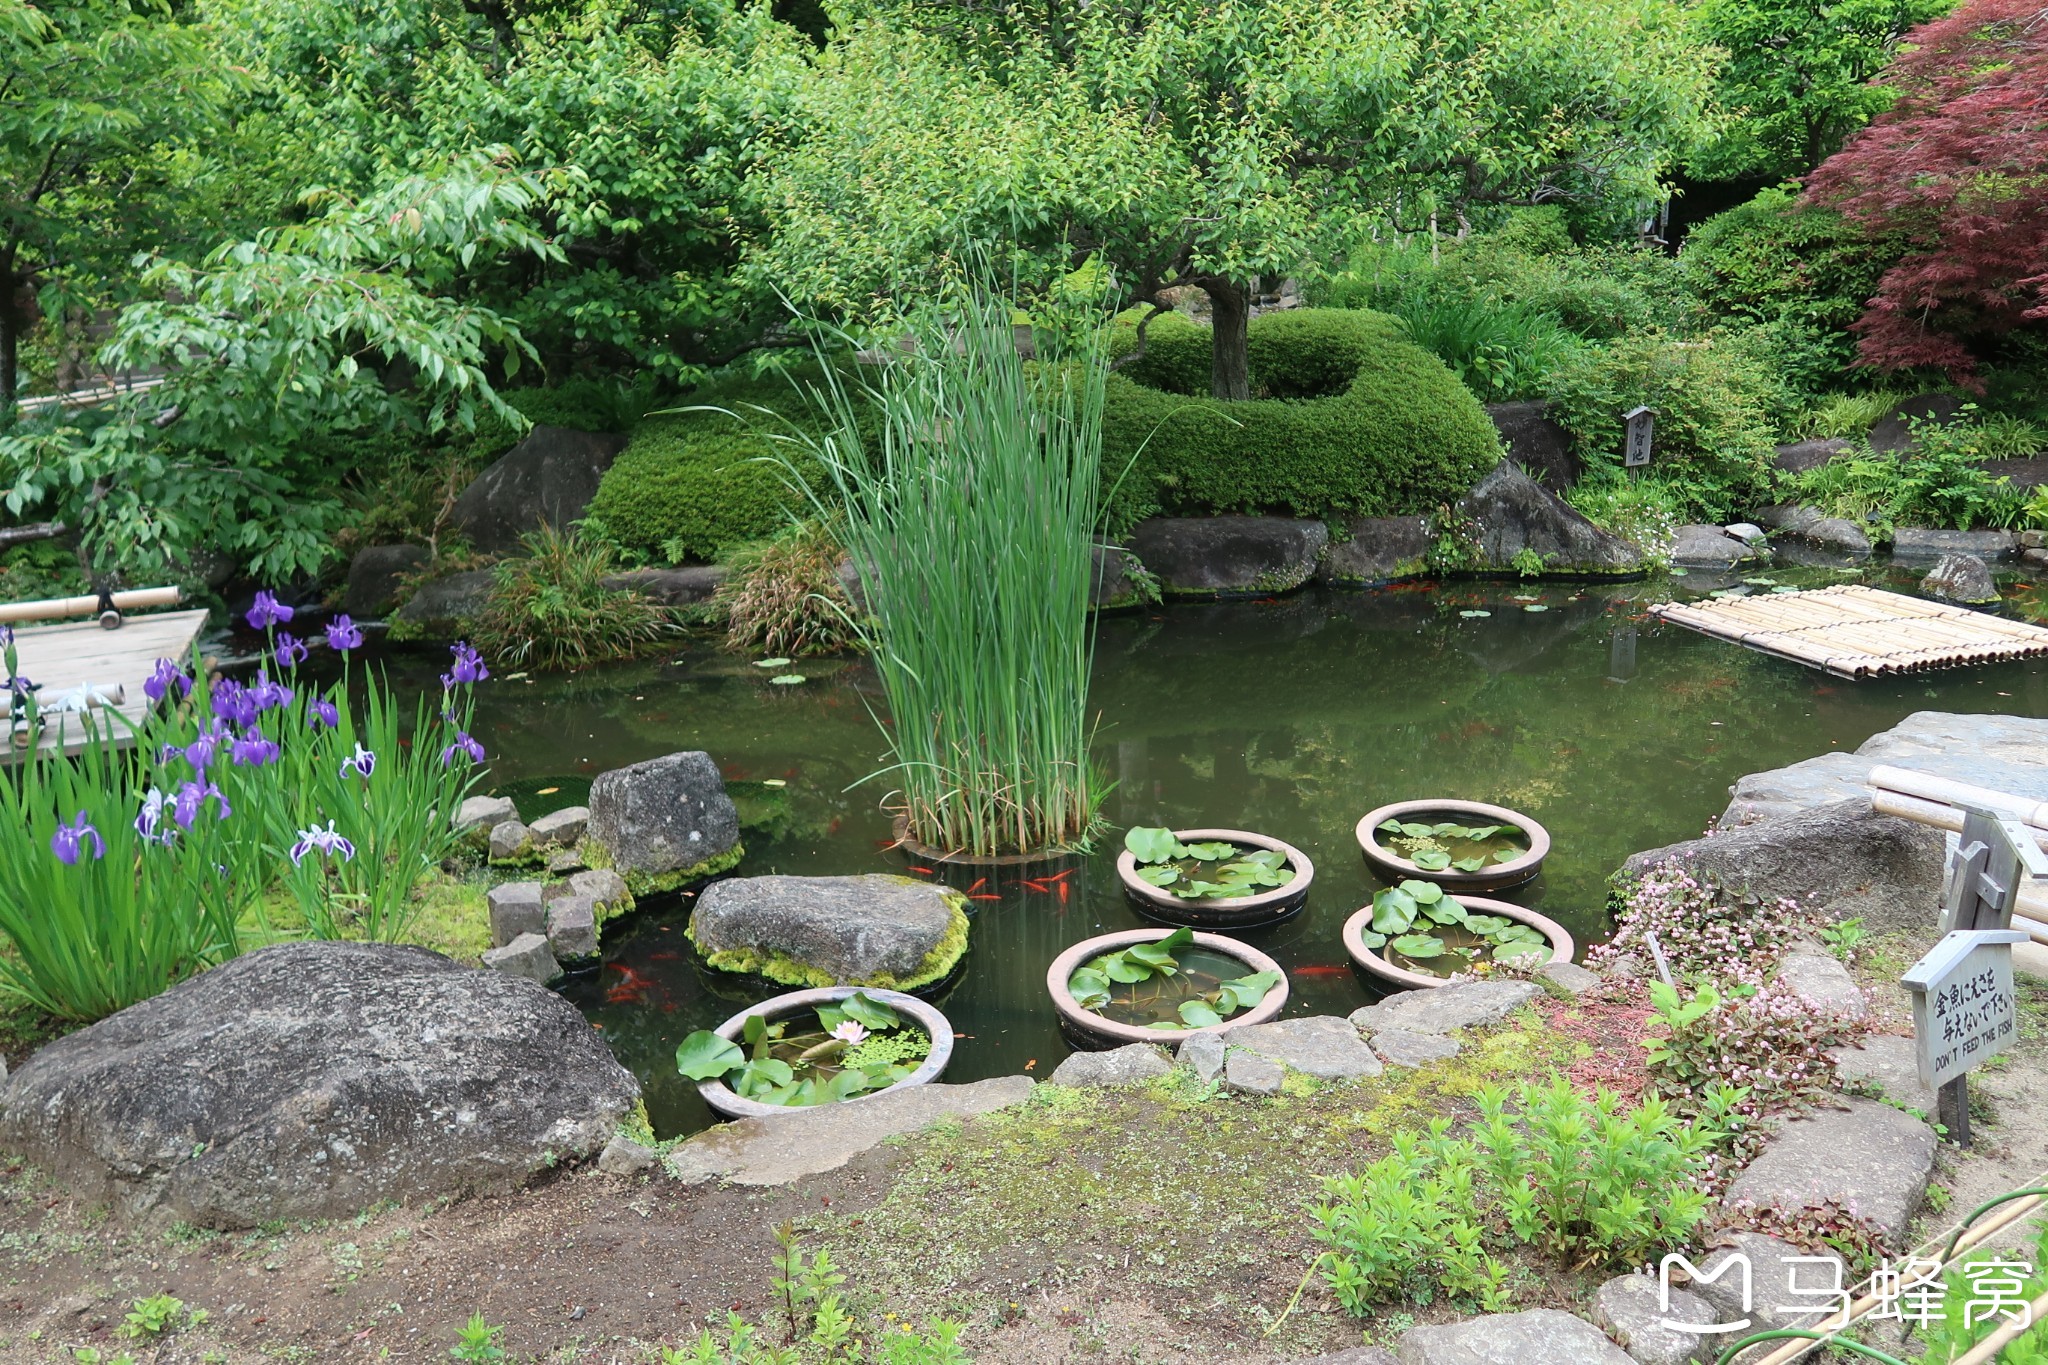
{"x":875,"y":929}
{"x":1540,"y":446}
{"x":311,"y":1080}
{"x":1710,"y":547}
{"x":1230,"y":556}
{"x":1509,"y":517}
{"x":663,"y":823}
{"x":550,"y":477}
{"x":1841,"y":861}
{"x":2004,"y":753}
{"x":1806,"y":525}
{"x":683,"y":587}
{"x":1960,"y":577}
{"x":446,"y":604}
{"x":1799,"y":456}
{"x":375,"y":575}
{"x":1920,"y":542}
{"x":1377,"y":550}
{"x":1894,"y":432}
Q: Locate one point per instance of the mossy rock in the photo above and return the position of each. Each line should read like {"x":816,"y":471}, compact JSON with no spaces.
{"x":880,"y":930}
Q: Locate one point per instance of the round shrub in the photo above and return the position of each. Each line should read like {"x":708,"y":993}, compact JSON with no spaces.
{"x":1360,"y":421}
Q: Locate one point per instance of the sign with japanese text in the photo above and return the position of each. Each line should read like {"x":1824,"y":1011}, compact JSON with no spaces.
{"x":1964,"y":1008}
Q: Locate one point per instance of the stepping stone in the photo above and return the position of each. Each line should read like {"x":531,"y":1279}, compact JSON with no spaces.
{"x":869,"y":930}
{"x":1130,"y":1064}
{"x":510,"y":840}
{"x":528,"y":955}
{"x":1632,"y":1310}
{"x":1892,"y":1064}
{"x":484,"y":813}
{"x":1248,"y":1073}
{"x":563,"y":861}
{"x":572,"y":928}
{"x":1541,"y":1336}
{"x":1869,"y":1157}
{"x":560,"y":827}
{"x":1400,"y":1047}
{"x":515,"y":909}
{"x":1203,"y":1052}
{"x":604,"y":886}
{"x":623,"y":1156}
{"x":1464,"y":1004}
{"x":1823,"y":982}
{"x":1570,"y":977}
{"x":1322,"y":1046}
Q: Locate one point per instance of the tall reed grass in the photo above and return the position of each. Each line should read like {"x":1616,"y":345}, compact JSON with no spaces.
{"x":971,"y":511}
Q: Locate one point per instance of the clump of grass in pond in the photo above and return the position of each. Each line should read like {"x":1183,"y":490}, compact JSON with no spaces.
{"x":971,"y":507}
{"x":1212,"y":870}
{"x":1168,"y":984}
{"x":1443,"y":847}
{"x":1425,"y":930}
{"x":859,"y":1045}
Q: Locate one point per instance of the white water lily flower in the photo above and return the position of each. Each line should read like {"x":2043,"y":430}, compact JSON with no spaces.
{"x":850,"y":1032}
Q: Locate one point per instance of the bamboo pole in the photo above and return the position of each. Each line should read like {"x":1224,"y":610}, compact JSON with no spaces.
{"x":2010,"y":1331}
{"x":60,"y":608}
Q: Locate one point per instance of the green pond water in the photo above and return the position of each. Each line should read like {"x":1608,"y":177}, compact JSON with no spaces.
{"x":1292,"y":717}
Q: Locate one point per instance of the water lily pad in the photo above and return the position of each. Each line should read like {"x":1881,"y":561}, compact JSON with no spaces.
{"x":788,"y":679}
{"x":704,"y":1056}
{"x":1535,"y":606}
{"x":1431,"y":859}
{"x":772,"y":663}
{"x":1475,"y":613}
{"x":1419,"y":946}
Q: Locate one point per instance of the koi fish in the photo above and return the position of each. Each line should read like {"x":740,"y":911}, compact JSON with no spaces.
{"x":1320,"y":969}
{"x":1040,"y":887}
{"x":979,"y":882}
{"x":631,"y":989}
{"x":984,"y":897}
{"x":1061,"y":887}
{"x":925,"y":870}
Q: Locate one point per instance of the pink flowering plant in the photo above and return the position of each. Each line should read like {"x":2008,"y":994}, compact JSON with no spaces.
{"x":1703,"y":932}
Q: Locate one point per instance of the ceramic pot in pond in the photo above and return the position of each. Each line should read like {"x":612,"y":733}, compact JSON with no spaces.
{"x":925,"y":853}
{"x":1234,"y":912}
{"x":1375,"y":961}
{"x":722,"y":1098}
{"x":1493,"y":877}
{"x":1089,"y":1030}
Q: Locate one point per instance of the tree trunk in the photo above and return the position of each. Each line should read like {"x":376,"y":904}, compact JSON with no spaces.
{"x":1230,"y":376}
{"x":10,"y":339}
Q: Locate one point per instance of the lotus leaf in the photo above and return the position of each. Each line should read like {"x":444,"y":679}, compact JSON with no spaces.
{"x":1150,"y":845}
{"x":1419,"y":946}
{"x":704,"y":1056}
{"x":1090,"y":987}
{"x":1431,"y":859}
{"x":1468,"y":864}
{"x":1393,"y":911}
{"x":788,"y":679}
{"x":869,"y":1012}
{"x":1245,"y":992}
{"x":1199,"y":1014}
{"x":1475,"y":613}
{"x":772,"y":663}
{"x":1447,"y":911}
{"x":1487,"y":925}
{"x":1212,"y":851}
{"x":1421,"y":892}
{"x":1196,"y":890}
{"x":1158,"y":874}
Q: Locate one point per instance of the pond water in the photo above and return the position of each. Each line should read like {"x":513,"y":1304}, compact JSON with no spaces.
{"x":1292,"y":717}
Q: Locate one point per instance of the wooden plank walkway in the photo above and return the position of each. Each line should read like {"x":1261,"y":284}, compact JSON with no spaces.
{"x":1858,"y":632}
{"x":83,"y":653}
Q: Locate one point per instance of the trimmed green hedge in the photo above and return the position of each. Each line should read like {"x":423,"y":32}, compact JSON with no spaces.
{"x":1359,"y":421}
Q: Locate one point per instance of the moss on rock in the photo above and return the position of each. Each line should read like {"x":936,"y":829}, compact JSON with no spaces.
{"x":786,"y":970}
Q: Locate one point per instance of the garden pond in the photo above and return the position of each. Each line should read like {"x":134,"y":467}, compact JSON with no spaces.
{"x":1292,"y":717}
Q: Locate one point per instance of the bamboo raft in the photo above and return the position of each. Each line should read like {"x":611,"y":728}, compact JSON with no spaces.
{"x":1857,"y":632}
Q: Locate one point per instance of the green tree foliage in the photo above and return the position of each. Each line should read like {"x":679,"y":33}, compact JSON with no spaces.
{"x":1188,"y":143}
{"x":1799,"y":77}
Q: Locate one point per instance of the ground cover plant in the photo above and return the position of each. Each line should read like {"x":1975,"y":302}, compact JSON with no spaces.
{"x":552,"y":607}
{"x":860,"y":1045}
{"x":1168,"y":984}
{"x":1214,"y":869}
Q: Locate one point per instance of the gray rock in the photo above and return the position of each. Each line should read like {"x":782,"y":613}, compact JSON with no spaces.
{"x":509,"y":841}
{"x":1570,"y":977}
{"x":1357,"y":1355}
{"x":1541,"y":1336}
{"x":311,"y":1080}
{"x":1709,"y":547}
{"x":1778,"y":1293}
{"x":1890,"y":1063}
{"x":872,"y":930}
{"x":1250,"y":1073}
{"x":1540,"y":446}
{"x":1792,"y":521}
{"x":2005,"y":753}
{"x":560,"y":827}
{"x":1824,"y":983}
{"x":572,"y":928}
{"x":484,"y":813}
{"x":446,"y":603}
{"x":375,"y":575}
{"x":1202,"y":1052}
{"x":527,"y":955}
{"x":549,"y":477}
{"x":515,"y":909}
{"x":1894,"y":432}
{"x":1462,"y":1004}
{"x":563,"y":861}
{"x":1797,"y":457}
{"x":1118,"y":580}
{"x":1842,"y":861}
{"x":665,"y":821}
{"x":1958,"y":577}
{"x":605,"y":888}
{"x":1322,"y":1046}
{"x":623,"y":1156}
{"x":1915,"y":542}
{"x":804,"y":1142}
{"x":681,"y":587}
{"x":1227,"y":556}
{"x":1747,"y":532}
{"x":1377,"y":550}
{"x":1870,"y":1157}
{"x":1632,"y":1310}
{"x":1131,"y":1064}
{"x":1403,"y":1047}
{"x":1508,"y":513}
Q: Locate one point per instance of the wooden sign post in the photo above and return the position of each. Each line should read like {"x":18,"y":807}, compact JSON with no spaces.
{"x":1638,"y":424}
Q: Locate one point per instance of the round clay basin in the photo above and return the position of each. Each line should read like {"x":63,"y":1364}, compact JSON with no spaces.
{"x":1091,"y":1030}
{"x":1561,"y":945}
{"x":1494,"y":877}
{"x":1238,"y":912}
{"x":722,"y":1098}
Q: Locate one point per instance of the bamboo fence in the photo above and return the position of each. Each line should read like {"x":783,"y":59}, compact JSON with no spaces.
{"x":1858,"y":632}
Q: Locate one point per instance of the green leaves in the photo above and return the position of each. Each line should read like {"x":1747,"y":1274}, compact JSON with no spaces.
{"x":1091,"y":986}
{"x":1149,"y":845}
{"x":1421,"y":907}
{"x":1418,"y":946}
{"x":704,"y":1056}
{"x":1246,"y":991}
{"x":1164,"y":862}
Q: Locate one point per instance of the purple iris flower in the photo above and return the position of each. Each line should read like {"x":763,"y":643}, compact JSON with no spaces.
{"x":200,"y":752}
{"x":268,"y":693}
{"x":22,"y":689}
{"x":291,"y":650}
{"x":267,"y":612}
{"x":362,"y":763}
{"x":323,"y":712}
{"x":233,"y":700}
{"x":463,"y":744}
{"x":163,"y":678}
{"x":468,"y":668}
{"x":149,"y":822}
{"x":70,"y":841}
{"x":344,"y":635}
{"x":192,"y":798}
{"x":6,"y":636}
{"x":252,"y":751}
{"x":327,"y":840}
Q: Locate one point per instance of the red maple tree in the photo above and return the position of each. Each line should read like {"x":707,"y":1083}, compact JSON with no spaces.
{"x":1959,"y":168}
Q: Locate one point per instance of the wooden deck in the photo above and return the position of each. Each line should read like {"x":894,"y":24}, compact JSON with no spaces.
{"x":78,"y":653}
{"x":1858,"y":632}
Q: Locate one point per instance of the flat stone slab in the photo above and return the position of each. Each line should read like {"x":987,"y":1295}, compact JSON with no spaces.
{"x":1890,"y":1063}
{"x":1570,"y":977}
{"x":1207,"y":556}
{"x":1915,"y":542}
{"x":804,"y":1142}
{"x":1631,"y":1309}
{"x":1252,"y":1073}
{"x":560,"y":827}
{"x":871,"y":930}
{"x":1781,"y":1281}
{"x":1824,"y":983}
{"x":1402,"y":1047}
{"x":1131,"y":1064}
{"x":1439,"y":1009}
{"x":1322,"y":1046}
{"x":623,"y":1156}
{"x":1541,"y":1336}
{"x":1869,"y":1157}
